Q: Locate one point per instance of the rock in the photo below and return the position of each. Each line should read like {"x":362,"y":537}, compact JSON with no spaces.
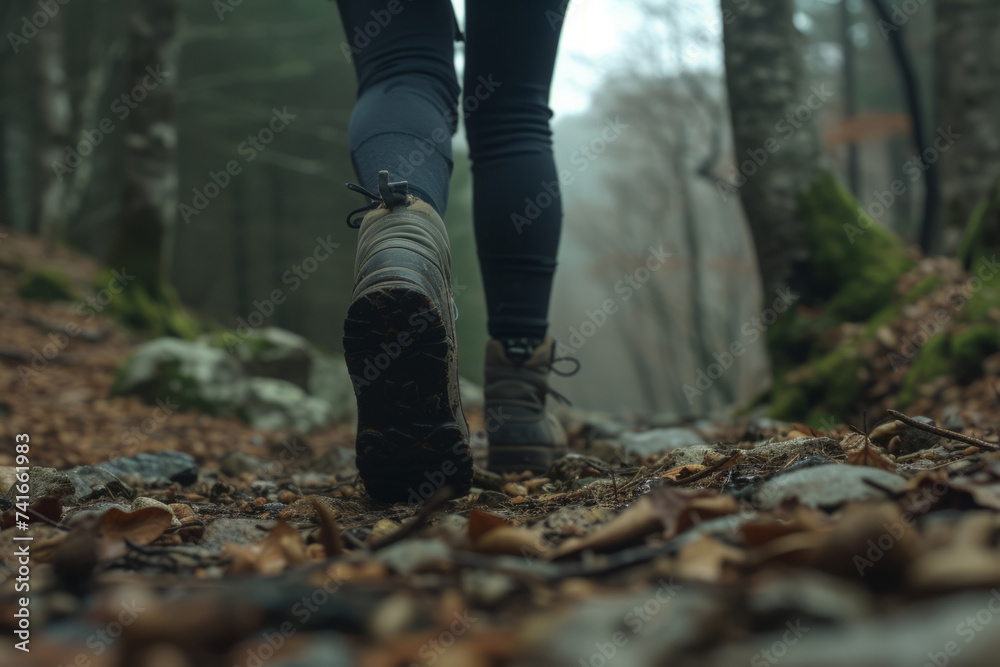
{"x":92,"y":482}
{"x":827,"y":486}
{"x":808,"y":463}
{"x":413,"y":554}
{"x":339,"y":460}
{"x":238,"y":462}
{"x":280,"y":405}
{"x":160,"y":468}
{"x":687,"y":456}
{"x":570,"y":467}
{"x":763,"y":427}
{"x":487,"y":588}
{"x":471,"y":393}
{"x":191,"y":374}
{"x":330,"y":381}
{"x":44,"y":482}
{"x":7,"y":478}
{"x":600,"y":426}
{"x":277,"y":353}
{"x":659,"y":440}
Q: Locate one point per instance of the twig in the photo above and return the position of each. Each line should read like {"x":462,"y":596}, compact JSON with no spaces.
{"x":708,"y":471}
{"x":943,"y":432}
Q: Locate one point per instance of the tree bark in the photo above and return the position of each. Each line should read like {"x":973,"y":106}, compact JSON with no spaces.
{"x":766,"y":84}
{"x":967,"y":63}
{"x":55,"y":114}
{"x":150,"y":145}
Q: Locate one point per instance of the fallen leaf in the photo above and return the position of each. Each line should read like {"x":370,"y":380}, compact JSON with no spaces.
{"x":139,"y":527}
{"x":680,"y":472}
{"x":329,"y":531}
{"x":669,"y":511}
{"x":483,"y":522}
{"x":709,"y":560}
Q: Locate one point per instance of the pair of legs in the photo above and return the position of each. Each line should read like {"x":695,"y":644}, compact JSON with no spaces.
{"x":408,"y":107}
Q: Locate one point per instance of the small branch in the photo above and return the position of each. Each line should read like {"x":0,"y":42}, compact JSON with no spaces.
{"x":710,"y":470}
{"x":943,"y":432}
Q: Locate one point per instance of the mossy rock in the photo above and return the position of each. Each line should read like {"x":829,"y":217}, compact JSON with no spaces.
{"x":855,"y":263}
{"x":45,"y":285}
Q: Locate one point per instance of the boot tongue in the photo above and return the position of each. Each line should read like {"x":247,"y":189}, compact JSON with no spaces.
{"x":392,"y":194}
{"x":520,"y":350}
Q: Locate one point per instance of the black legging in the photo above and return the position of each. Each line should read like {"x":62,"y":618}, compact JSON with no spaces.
{"x":407,"y":112}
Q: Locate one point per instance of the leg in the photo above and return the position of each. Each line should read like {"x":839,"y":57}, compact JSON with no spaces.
{"x":518,"y":214}
{"x":405,"y":115}
{"x":510,"y":56}
{"x":399,"y":334}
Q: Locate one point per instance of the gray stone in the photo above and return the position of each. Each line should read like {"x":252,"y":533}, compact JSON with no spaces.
{"x":688,"y":456}
{"x":659,"y":440}
{"x":159,"y":468}
{"x":472,"y":394}
{"x":7,"y":478}
{"x":92,"y":482}
{"x":339,"y":460}
{"x":827,"y":486}
{"x":44,"y":482}
{"x":412,"y":554}
{"x":330,"y":381}
{"x":183,"y":372}
{"x":280,"y":405}
{"x":238,"y":462}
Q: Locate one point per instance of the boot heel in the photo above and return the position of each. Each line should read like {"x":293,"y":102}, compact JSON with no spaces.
{"x":410,"y":423}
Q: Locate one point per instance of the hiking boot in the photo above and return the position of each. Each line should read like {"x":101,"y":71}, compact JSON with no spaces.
{"x":401,"y":351}
{"x":523,"y":435}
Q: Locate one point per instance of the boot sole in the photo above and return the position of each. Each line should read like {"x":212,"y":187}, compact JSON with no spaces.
{"x":410,"y":440}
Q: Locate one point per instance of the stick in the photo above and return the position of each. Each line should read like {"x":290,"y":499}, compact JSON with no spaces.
{"x":943,"y":432}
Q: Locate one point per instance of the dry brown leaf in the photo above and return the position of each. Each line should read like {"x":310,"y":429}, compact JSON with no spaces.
{"x":680,"y":472}
{"x":140,"y":527}
{"x":709,"y":560}
{"x":511,"y":541}
{"x":282,"y":547}
{"x":329,"y":531}
{"x":864,"y":453}
{"x":668,"y":510}
{"x":483,"y":522}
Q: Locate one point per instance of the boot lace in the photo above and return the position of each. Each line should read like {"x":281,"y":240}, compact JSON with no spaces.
{"x":389,"y":194}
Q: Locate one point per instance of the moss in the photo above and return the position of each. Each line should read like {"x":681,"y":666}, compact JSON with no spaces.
{"x":969,"y":347}
{"x":45,"y":285}
{"x":926,"y":285}
{"x":160,"y":314}
{"x":829,"y":385}
{"x":854,"y":262}
{"x":980,"y":238}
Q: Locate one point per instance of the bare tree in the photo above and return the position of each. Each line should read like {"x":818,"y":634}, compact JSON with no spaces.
{"x":967,"y":60}
{"x":55,"y":114}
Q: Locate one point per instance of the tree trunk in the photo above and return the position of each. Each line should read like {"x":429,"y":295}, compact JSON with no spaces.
{"x":816,"y":247}
{"x":967,"y":62}
{"x":150,"y":200}
{"x":767,"y":87}
{"x":55,"y":114}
